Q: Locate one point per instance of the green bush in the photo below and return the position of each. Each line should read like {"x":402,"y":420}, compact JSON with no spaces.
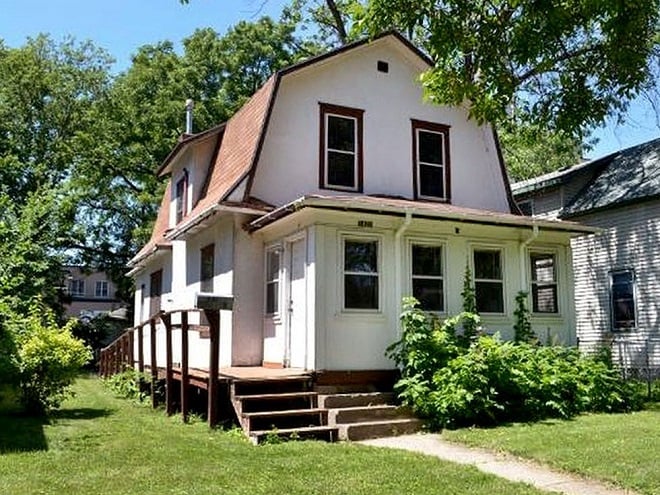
{"x":490,"y":381}
{"x":49,"y":358}
{"x":129,"y":384}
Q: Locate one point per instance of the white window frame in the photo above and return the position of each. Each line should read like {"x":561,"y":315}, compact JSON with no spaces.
{"x":502,"y":281}
{"x":77,"y":283}
{"x":327,"y":116}
{"x":105,"y":292}
{"x":420,"y":163}
{"x":412,"y":242}
{"x":378,"y":274}
{"x":270,"y":250}
{"x":556,"y":282}
{"x":635,"y":299}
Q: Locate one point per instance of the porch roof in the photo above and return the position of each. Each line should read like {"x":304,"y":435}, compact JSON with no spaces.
{"x":394,"y":206}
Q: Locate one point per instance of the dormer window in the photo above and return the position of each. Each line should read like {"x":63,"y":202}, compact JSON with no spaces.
{"x":181,"y":199}
{"x":341,"y":148}
{"x":431,"y":156}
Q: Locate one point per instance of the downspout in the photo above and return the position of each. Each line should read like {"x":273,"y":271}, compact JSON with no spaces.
{"x":523,"y":268}
{"x":398,"y":261}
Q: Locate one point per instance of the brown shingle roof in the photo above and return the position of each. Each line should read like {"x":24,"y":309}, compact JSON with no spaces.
{"x":161,"y":225}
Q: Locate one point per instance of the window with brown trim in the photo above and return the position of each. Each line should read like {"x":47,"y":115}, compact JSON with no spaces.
{"x":207,"y":267}
{"x":340,"y":148}
{"x":431,"y":171}
{"x":180,"y":197}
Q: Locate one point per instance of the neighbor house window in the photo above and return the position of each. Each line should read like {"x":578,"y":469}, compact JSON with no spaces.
{"x":488,"y":281}
{"x":431,"y":157}
{"x":207,"y":267}
{"x":181,"y":197}
{"x":622,"y":299}
{"x":544,"y":283}
{"x":427,"y":277}
{"x":77,"y":287}
{"x":272,"y":281}
{"x":101,"y":288}
{"x":361,"y":274}
{"x":341,"y":148}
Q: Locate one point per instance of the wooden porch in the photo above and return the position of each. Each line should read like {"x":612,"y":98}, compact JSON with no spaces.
{"x":292,"y":402}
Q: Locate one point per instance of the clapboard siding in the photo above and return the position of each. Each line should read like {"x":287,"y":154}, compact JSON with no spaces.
{"x":631,"y":240}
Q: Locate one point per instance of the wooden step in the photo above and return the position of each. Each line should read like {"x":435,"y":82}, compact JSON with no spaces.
{"x":327,"y":433}
{"x":288,"y":419}
{"x":355,"y":399}
{"x":274,"y":402}
{"x":367,"y":413}
{"x":262,"y":386}
{"x":377,"y":429}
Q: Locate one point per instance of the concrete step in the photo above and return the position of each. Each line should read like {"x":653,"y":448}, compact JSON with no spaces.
{"x":377,"y":429}
{"x":295,"y":418}
{"x":366,"y":413}
{"x":327,"y":433}
{"x":360,"y":399}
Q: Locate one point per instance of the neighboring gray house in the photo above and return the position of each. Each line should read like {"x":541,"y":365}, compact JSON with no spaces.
{"x":617,"y":272}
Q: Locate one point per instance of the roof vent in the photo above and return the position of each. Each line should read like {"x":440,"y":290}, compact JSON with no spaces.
{"x":189,"y":115}
{"x":383,"y":66}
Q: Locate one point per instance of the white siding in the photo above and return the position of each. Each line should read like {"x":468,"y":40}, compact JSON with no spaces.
{"x":289,"y":163}
{"x":632,"y":240}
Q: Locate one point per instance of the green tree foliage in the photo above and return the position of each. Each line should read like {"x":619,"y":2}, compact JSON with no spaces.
{"x":522,"y":328}
{"x":560,"y":65}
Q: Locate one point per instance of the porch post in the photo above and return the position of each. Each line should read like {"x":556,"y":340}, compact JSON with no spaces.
{"x":169,"y":379}
{"x":213,"y":317}
{"x":140,"y":331}
{"x":131,"y":350}
{"x":154,"y":364}
{"x":184,"y":366}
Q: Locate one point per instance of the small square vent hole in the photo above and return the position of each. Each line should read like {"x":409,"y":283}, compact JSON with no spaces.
{"x":383,"y":66}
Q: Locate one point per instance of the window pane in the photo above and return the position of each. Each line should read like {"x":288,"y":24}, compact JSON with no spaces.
{"x":430,"y":147}
{"x":432,"y":181}
{"x":427,"y":260}
{"x":544,"y":299}
{"x":429,"y":293}
{"x":273,"y":265}
{"x":271,"y":297}
{"x":490,"y":297}
{"x":341,"y":169}
{"x":543,"y":267}
{"x":487,"y":265}
{"x":360,"y":291}
{"x":623,"y":300}
{"x":361,"y":256}
{"x":341,"y":133}
{"x":622,"y":278}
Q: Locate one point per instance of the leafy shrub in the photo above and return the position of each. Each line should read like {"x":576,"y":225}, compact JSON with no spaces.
{"x":129,"y":384}
{"x":48,"y":359}
{"x":522,"y":328}
{"x":490,"y":381}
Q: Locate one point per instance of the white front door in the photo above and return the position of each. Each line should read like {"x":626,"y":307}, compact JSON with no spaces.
{"x":296,"y":335}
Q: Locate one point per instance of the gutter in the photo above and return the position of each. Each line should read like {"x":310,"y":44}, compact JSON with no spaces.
{"x":398,"y":262}
{"x":178,"y":232}
{"x":523,"y":258}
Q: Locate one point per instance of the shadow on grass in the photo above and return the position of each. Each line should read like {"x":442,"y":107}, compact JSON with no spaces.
{"x":22,"y":434}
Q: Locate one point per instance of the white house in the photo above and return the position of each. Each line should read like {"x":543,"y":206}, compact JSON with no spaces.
{"x":617,"y":278}
{"x":333,"y":192}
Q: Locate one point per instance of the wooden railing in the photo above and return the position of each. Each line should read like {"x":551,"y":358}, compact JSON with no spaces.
{"x":119,"y":355}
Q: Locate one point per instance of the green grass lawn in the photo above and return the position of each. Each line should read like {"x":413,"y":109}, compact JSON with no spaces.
{"x":97,"y":444}
{"x":623,"y":449}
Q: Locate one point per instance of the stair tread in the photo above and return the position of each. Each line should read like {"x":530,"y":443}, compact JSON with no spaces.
{"x":283,"y":395}
{"x":382,"y":421}
{"x":289,"y":412}
{"x":272,"y":379}
{"x":285,"y":431}
{"x":367,"y":408}
{"x":357,"y":394}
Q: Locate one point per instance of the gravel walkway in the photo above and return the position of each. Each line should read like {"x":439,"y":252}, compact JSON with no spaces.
{"x":502,"y":465}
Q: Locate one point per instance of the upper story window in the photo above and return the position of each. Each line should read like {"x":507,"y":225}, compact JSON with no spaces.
{"x":341,"y":148}
{"x":207,"y":267}
{"x":361,"y":274}
{"x":544,"y":283}
{"x":181,"y":197}
{"x":431,"y":160}
{"x":488,"y":280}
{"x":622,"y":299}
{"x":427,"y":277}
{"x":77,"y":287}
{"x":101,"y":289}
{"x":272,"y":281}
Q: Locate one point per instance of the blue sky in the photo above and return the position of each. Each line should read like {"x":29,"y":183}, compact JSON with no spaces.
{"x":121,"y":26}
